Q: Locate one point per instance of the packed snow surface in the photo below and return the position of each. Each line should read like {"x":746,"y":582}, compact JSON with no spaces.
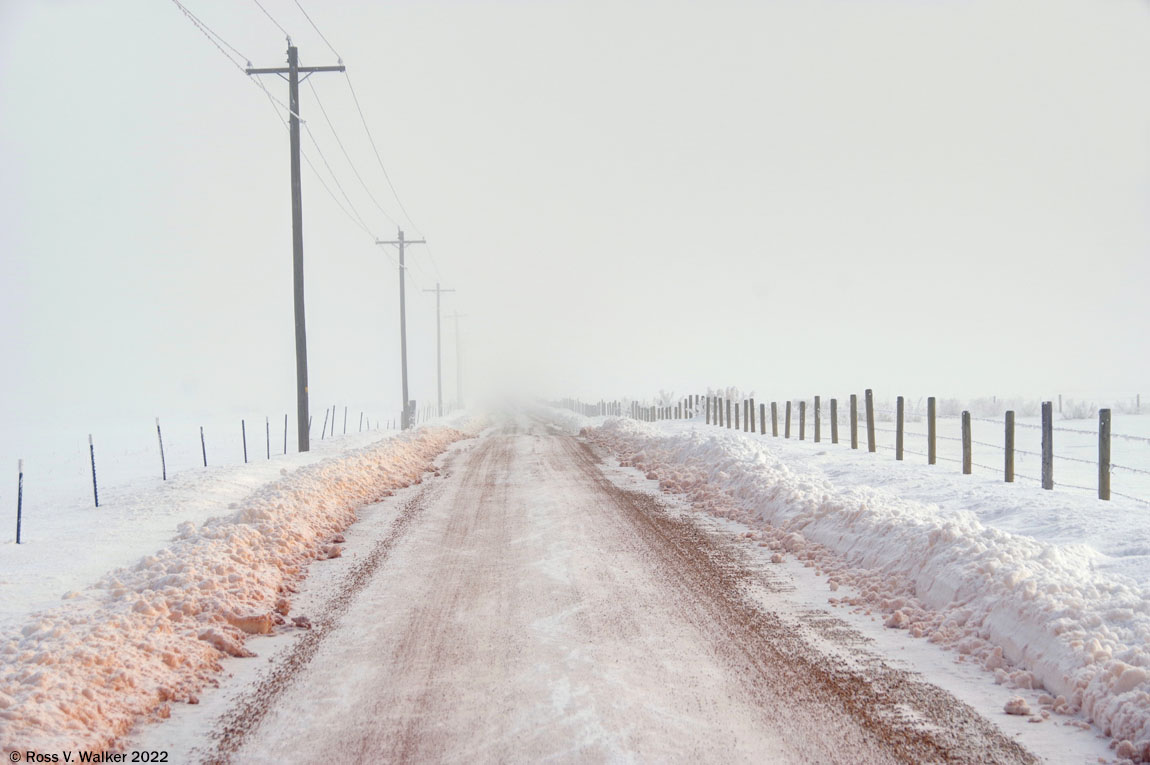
{"x":1038,"y":609}
{"x":79,"y":674}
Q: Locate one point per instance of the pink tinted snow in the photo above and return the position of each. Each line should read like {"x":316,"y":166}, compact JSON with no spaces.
{"x":80,"y":675}
{"x":1035,"y":614}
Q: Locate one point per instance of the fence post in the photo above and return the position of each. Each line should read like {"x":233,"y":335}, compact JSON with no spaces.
{"x":268,"y":428}
{"x":854,"y":421}
{"x":1047,"y":445}
{"x":19,"y":499}
{"x":752,"y":417}
{"x":203,"y":446}
{"x":1104,"y":454}
{"x":787,"y":422}
{"x":802,"y":420}
{"x":931,"y":432}
{"x":870,"y":445}
{"x":322,"y":433}
{"x":1008,"y":445}
{"x":163,"y":462}
{"x":285,"y":433}
{"x":728,"y":413}
{"x":244,"y":433}
{"x":834,"y":421}
{"x":966,"y":443}
{"x":345,"y":420}
{"x":92,"y":450}
{"x":899,"y":420}
{"x":748,"y":415}
{"x":737,"y":414}
{"x":818,"y":417}
{"x":774,"y":419}
{"x":708,"y":421}
{"x":1060,"y":403}
{"x":763,"y":419}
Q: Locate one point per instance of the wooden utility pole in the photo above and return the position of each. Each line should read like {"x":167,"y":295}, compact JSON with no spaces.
{"x":438,"y":351}
{"x":405,"y":418}
{"x":293,"y":71}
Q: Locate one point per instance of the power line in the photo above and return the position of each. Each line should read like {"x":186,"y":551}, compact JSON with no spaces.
{"x":313,"y":26}
{"x":272,"y":18}
{"x":358,"y":177}
{"x":378,"y":159}
{"x":216,"y":41}
{"x":212,"y":36}
{"x":220,"y":44}
{"x":338,"y":185}
{"x":371,"y":140}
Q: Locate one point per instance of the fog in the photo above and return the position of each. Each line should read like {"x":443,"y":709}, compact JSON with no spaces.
{"x":797,"y":197}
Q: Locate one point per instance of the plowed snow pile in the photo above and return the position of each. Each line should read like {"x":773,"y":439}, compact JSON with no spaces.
{"x":79,"y":675}
{"x":1036,"y":614}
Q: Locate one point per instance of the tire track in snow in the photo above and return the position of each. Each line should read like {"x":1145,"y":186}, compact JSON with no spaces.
{"x":899,"y":715}
{"x":233,"y":729}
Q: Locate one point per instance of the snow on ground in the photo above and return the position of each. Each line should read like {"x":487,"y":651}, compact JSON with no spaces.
{"x":1047,"y":590}
{"x":79,"y":674}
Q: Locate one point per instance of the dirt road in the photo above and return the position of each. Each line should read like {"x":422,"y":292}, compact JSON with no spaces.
{"x":526,"y":607}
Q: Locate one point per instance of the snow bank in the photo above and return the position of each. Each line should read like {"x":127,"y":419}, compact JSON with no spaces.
{"x":998,"y":598}
{"x":79,"y":675}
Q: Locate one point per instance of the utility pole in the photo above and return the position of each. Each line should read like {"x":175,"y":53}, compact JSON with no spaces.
{"x":438,"y":352}
{"x":458,"y":361}
{"x":405,"y":419}
{"x":293,"y":70}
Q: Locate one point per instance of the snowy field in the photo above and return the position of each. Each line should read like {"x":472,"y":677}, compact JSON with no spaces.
{"x":1049,"y":591}
{"x":109,"y":613}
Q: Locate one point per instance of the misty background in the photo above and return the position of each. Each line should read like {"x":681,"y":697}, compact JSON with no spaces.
{"x":943,"y":198}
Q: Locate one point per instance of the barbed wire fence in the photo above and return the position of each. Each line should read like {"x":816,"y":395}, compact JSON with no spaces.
{"x":728,"y":408}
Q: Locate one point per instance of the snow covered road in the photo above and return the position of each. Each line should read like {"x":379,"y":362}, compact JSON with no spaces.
{"x":529,"y":605}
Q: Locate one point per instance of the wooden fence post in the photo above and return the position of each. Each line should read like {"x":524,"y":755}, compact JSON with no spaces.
{"x":737,"y":415}
{"x":752,"y":417}
{"x":19,"y":498}
{"x":787,"y":428}
{"x":775,"y":419}
{"x":203,"y":446}
{"x":763,"y":419}
{"x":746,"y":416}
{"x":244,"y":435}
{"x":817,"y":418}
{"x":899,"y":421}
{"x":728,"y":413}
{"x":1008,"y":445}
{"x":870,"y":445}
{"x":931,"y":432}
{"x":95,"y":491}
{"x":966,"y":443}
{"x":802,"y":420}
{"x":163,"y":462}
{"x":1047,"y":445}
{"x":1104,"y":454}
{"x":854,"y":421}
{"x":345,"y":420}
{"x":834,"y":421}
{"x":708,"y":422}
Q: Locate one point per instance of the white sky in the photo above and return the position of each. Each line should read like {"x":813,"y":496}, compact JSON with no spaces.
{"x":795,"y":196}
